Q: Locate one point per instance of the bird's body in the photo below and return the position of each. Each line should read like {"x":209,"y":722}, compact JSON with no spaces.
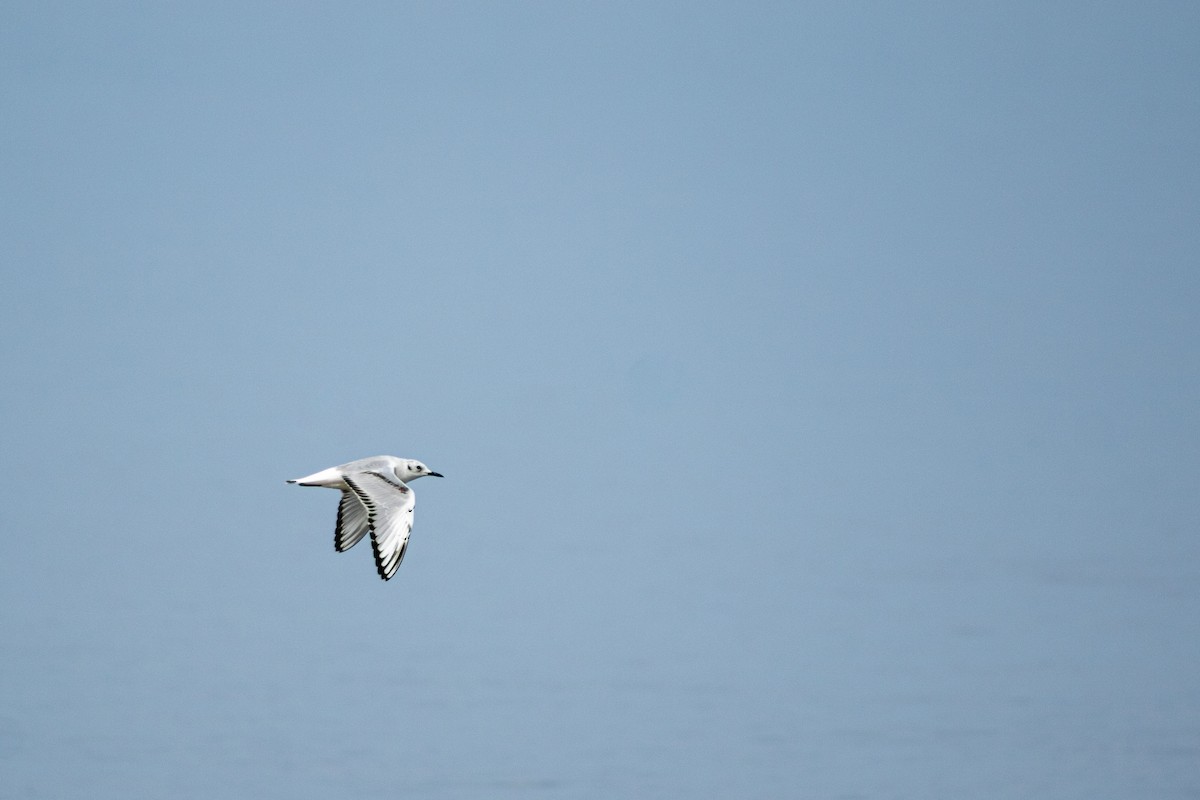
{"x":376,"y":498}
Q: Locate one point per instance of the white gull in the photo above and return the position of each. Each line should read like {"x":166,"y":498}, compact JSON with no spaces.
{"x":376,"y":498}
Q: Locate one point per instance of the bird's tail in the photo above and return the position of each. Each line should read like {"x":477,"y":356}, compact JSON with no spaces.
{"x":331,"y":478}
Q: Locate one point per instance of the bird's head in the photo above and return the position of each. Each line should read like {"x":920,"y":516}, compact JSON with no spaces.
{"x":411,"y":469}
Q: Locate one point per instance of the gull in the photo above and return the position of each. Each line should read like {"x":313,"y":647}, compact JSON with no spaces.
{"x":375,"y":498}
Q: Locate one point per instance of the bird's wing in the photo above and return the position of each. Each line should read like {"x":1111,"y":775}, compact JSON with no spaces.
{"x":389,"y":505}
{"x":352,"y":522}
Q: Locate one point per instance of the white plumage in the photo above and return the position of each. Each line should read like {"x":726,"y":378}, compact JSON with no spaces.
{"x":376,"y":498}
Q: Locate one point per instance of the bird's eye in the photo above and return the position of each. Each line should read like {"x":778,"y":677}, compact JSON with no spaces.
{"x":420,"y":469}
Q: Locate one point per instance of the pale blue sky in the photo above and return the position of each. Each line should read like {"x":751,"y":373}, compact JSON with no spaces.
{"x":816,"y":387}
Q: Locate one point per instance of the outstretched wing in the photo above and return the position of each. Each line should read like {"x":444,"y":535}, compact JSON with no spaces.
{"x":389,"y":506}
{"x":352,"y":522}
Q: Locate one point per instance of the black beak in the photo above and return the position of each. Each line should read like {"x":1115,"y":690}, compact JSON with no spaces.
{"x":435,"y":474}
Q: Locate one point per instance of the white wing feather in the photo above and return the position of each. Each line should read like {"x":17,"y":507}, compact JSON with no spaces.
{"x":352,"y":522}
{"x":389,"y":505}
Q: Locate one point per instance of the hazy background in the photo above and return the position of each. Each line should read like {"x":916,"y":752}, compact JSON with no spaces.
{"x":816,"y":385}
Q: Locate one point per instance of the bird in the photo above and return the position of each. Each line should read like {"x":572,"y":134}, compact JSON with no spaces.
{"x":376,"y":498}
